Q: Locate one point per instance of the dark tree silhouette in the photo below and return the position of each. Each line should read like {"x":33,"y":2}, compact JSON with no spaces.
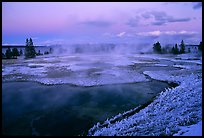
{"x":29,"y":49}
{"x":38,"y":54}
{"x":46,"y":52}
{"x":200,"y":46}
{"x":182,"y":47}
{"x":175,"y":49}
{"x":157,"y":47}
{"x":27,"y":43}
{"x":15,"y":52}
{"x":31,"y":42}
{"x":8,"y":53}
{"x":21,"y":52}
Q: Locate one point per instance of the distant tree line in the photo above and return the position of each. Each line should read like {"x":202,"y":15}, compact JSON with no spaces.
{"x":29,"y":51}
{"x":174,"y":50}
{"x":12,"y":54}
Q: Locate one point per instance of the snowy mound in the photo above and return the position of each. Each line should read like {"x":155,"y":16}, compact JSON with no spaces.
{"x":165,"y":116}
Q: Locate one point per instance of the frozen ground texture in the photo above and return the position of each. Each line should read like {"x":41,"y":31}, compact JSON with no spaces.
{"x":174,"y":112}
{"x":91,"y":70}
{"x":82,"y":70}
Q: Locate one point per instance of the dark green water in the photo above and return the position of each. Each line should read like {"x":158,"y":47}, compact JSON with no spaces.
{"x":31,"y":108}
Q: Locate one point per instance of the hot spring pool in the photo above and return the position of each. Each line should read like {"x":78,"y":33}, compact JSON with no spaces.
{"x":30,"y":108}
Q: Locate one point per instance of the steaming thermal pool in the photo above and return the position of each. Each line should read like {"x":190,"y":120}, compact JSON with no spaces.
{"x":69,"y":106}
{"x":65,"y":109}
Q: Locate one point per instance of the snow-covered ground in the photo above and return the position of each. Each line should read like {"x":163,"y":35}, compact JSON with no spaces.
{"x":82,"y":70}
{"x":175,"y":112}
{"x":192,"y":130}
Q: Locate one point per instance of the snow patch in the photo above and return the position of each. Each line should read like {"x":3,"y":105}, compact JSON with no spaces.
{"x":192,"y":130}
{"x":161,"y":65}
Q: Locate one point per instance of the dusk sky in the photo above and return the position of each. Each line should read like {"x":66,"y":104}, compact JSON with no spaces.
{"x":51,"y":23}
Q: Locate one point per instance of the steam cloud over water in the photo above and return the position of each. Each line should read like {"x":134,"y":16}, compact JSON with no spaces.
{"x":103,"y":48}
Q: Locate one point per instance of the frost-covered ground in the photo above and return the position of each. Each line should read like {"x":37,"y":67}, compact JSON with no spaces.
{"x":176,"y":111}
{"x":90,"y":70}
{"x":81,"y":69}
{"x":168,"y":114}
{"x":192,"y":130}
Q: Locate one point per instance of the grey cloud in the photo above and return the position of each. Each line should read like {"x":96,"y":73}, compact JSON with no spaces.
{"x":154,"y":14}
{"x":133,"y":22}
{"x":159,"y":17}
{"x":146,"y":15}
{"x":179,"y":20}
{"x":97,"y":23}
{"x":197,"y":5}
{"x":162,"y":18}
{"x":158,"y":23}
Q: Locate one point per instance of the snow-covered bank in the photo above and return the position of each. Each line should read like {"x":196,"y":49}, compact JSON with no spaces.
{"x":192,"y":130}
{"x":172,"y":109}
